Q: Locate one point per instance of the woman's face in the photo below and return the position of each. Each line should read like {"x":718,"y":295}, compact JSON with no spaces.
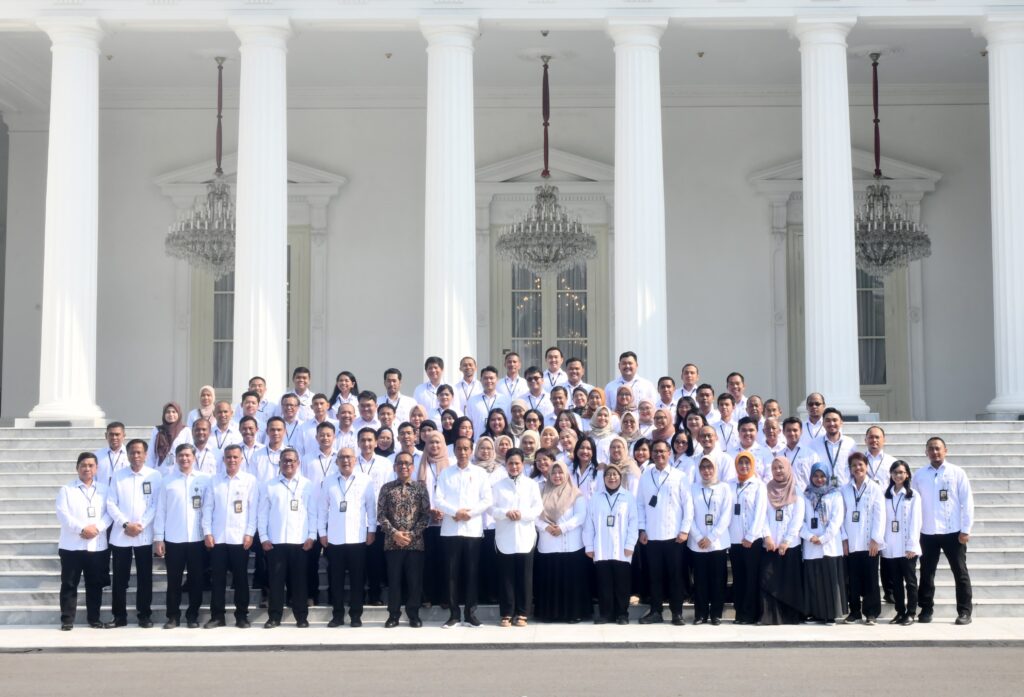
{"x":485,"y":451}
{"x":384,"y":440}
{"x":585,"y":453}
{"x":594,"y":400}
{"x":899,"y":475}
{"x":680,"y":443}
{"x":170,"y":415}
{"x":818,"y":478}
{"x":707,"y":471}
{"x":416,"y":417}
{"x":557,"y":473}
{"x":601,"y":419}
{"x":629,"y":424}
{"x":542,"y":464}
{"x":496,"y":422}
{"x":693,"y":422}
{"x":533,"y":422}
{"x":682,"y":409}
{"x":466,"y":430}
{"x":345,"y":384}
{"x":616,"y":451}
{"x":435,"y":445}
{"x":529,"y":445}
{"x":503,"y":447}
{"x":612,"y":479}
{"x":743,"y":467}
{"x":517,"y":413}
{"x":646,"y":412}
{"x":567,"y":439}
{"x":447,"y":421}
{"x":579,"y":399}
{"x":623,"y":398}
{"x":660,"y":420}
{"x":564,"y":421}
{"x":548,"y":439}
{"x":642,"y":453}
{"x":206,"y":398}
{"x":778,"y":471}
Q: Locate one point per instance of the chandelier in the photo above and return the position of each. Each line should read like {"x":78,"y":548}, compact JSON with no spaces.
{"x":546,"y":239}
{"x":204,"y":236}
{"x":887,"y":237}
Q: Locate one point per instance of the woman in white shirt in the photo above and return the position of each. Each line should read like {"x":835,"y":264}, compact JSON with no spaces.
{"x":602,"y":432}
{"x":609,"y":536}
{"x":902,"y":541}
{"x":485,"y":457}
{"x":746,"y":537}
{"x":709,"y":542}
{"x":207,"y":398}
{"x":782,"y":581}
{"x":166,"y":437}
{"x":682,"y":457}
{"x":562,"y":592}
{"x":516,"y":505}
{"x":529,"y":442}
{"x":584,"y":467}
{"x":824,"y":580}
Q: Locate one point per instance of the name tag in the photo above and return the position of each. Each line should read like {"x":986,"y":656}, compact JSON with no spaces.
{"x":147,"y":488}
{"x":895,"y":526}
{"x":709,"y":519}
{"x":855,"y":517}
{"x":342,"y":506}
{"x":610,"y":521}
{"x":653,"y":502}
{"x":943,"y":494}
{"x":90,"y":511}
{"x":778,"y":515}
{"x":295,"y":504}
{"x":736,"y":509}
{"x":835,"y":480}
{"x":238,"y":506}
{"x":197,"y":502}
{"x":814,"y":523}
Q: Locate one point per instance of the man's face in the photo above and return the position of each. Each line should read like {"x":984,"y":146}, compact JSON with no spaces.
{"x":275,"y":434}
{"x":201,"y":432}
{"x":815,"y":406}
{"x":558,"y":400}
{"x":748,"y":432}
{"x":222,"y":412}
{"x":792,"y":433}
{"x":407,"y":437}
{"x":301,"y":382}
{"x":467,"y":366}
{"x":833,"y":424}
{"x":325,"y":438}
{"x":575,"y":372}
{"x":554,"y":361}
{"x":320,"y":406}
{"x":771,"y":431}
{"x":248,"y":431}
{"x":403,"y":467}
{"x":346,"y":415}
{"x":627,"y":367}
{"x":735,"y":386}
{"x":463,"y":450}
{"x":512,"y":365}
{"x":666,"y":390}
{"x":690,"y":376}
{"x":444,"y":399}
{"x":346,"y":462}
{"x":289,"y":464}
{"x":386,"y":417}
{"x":232,"y":461}
{"x":936,"y":451}
{"x":705,"y":398}
{"x":514,"y":465}
{"x":725,"y":407}
{"x":754,"y":408}
{"x":434,"y":373}
{"x":115,"y":437}
{"x":392,"y":384}
{"x":659,"y":454}
{"x":875,"y":440}
{"x":136,"y":455}
{"x":489,"y":381}
{"x":367,"y":409}
{"x":258,"y":386}
{"x":185,"y":459}
{"x":250,"y":405}
{"x":536,"y":383}
{"x":773,"y":410}
{"x":367,"y":442}
{"x":289,"y":408}
{"x":707,"y":438}
{"x":87,"y":470}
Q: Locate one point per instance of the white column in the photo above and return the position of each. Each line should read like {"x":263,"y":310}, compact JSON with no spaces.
{"x":261,"y":256}
{"x":640,"y":312}
{"x":1006,"y":143}
{"x":830,"y":291}
{"x":449,"y":230}
{"x":67,"y":361}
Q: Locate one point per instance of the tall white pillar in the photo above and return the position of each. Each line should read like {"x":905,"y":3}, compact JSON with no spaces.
{"x":261,"y":256}
{"x":1006,"y":143}
{"x":67,"y":360}
{"x":830,"y":283}
{"x":449,"y":230}
{"x":640,"y":312}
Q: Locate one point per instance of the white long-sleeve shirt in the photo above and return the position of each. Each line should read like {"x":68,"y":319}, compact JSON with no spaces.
{"x":715,"y":501}
{"x":167,"y":464}
{"x":863,"y":517}
{"x":672,"y":513}
{"x":836,"y":455}
{"x":480,"y":405}
{"x":571,"y":524}
{"x":829,"y":519}
{"x":318,"y":468}
{"x":956,"y":512}
{"x":287,"y":511}
{"x":748,"y":520}
{"x":610,"y":542}
{"x":878,"y":467}
{"x":458,"y":488}
{"x":132,"y":498}
{"x":378,"y":468}
{"x":906,"y":537}
{"x":78,"y":507}
{"x":802,"y":458}
{"x":179,"y":511}
{"x":110,"y":462}
{"x":783,"y":524}
{"x":357,"y":496}
{"x":229,"y":513}
{"x":520,"y":494}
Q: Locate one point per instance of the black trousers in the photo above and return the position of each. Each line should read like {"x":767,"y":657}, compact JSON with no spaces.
{"x":435,"y":568}
{"x":313,"y":571}
{"x":613,"y":579}
{"x":287,"y":563}
{"x":746,"y":580}
{"x":405,"y":580}
{"x":515,"y":584}
{"x":463,"y":557}
{"x":233,"y":558}
{"x":74,"y":563}
{"x":350,"y":558}
{"x":888,"y":582}
{"x":903,"y":573}
{"x":956,"y":555}
{"x":709,"y":584}
{"x":665,"y":566}
{"x":376,"y":570}
{"x":122,"y":561}
{"x":260,"y":572}
{"x":862,"y":573}
{"x":182,"y":556}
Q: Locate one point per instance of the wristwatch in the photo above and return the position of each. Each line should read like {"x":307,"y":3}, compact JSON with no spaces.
{"x":124,"y":526}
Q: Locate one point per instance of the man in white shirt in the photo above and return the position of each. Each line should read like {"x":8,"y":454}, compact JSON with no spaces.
{"x":574,"y":370}
{"x":690,"y":377}
{"x":537,"y":398}
{"x":113,"y":457}
{"x":947,"y":516}
{"x":770,"y":435}
{"x":292,"y":422}
{"x":554,"y":375}
{"x":229,"y":526}
{"x":813,"y":425}
{"x":250,"y":406}
{"x":131,"y":504}
{"x":863,"y":536}
{"x":746,"y":439}
{"x":310,"y":429}
{"x":347,"y":524}
{"x":407,"y":444}
{"x":707,"y":442}
{"x":468,"y":387}
{"x":225,"y":430}
{"x":512,"y":385}
{"x":265,"y":408}
{"x":402,"y":404}
{"x":82,"y":514}
{"x":254,"y":453}
{"x":834,"y":448}
{"x":755,"y":410}
{"x":319,"y":465}
{"x":559,"y":397}
{"x":287,"y":527}
{"x":482,"y":404}
{"x":178,"y":533}
{"x":879,"y":463}
{"x":706,"y":404}
{"x":207,"y":455}
{"x":728,"y":438}
{"x":367,"y":412}
{"x":426,"y":394}
{"x":642,"y":387}
{"x":300,"y":388}
{"x":666,"y":395}
{"x":735,"y":384}
{"x":346,"y":435}
{"x":772,"y":410}
{"x":801,"y":457}
{"x":380,"y":472}
{"x":463,"y":495}
{"x":516,"y":505}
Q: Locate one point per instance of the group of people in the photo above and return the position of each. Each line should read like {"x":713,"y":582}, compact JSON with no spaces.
{"x":529,"y":490}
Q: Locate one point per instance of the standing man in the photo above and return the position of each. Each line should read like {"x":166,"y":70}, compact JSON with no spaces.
{"x":706,"y":404}
{"x":736,"y":385}
{"x":301,"y":391}
{"x":207,"y":455}
{"x":265,"y":408}
{"x":642,"y":387}
{"x":82,"y":513}
{"x":482,"y":404}
{"x":287,"y":527}
{"x":225,"y":430}
{"x":292,"y":421}
{"x":813,"y":426}
{"x":554,"y":375}
{"x":403,"y":512}
{"x":575,"y":371}
{"x":379,"y":470}
{"x":747,"y":441}
{"x":178,"y":534}
{"x":463,"y":495}
{"x":346,"y":522}
{"x":310,"y":429}
{"x":690,"y":376}
{"x":726,"y":426}
{"x":346,"y":436}
{"x":834,"y":448}
{"x":947,"y":512}
{"x":367,"y":412}
{"x":112,"y":458}
{"x":468,"y":387}
{"x":878,"y":471}
{"x":318,"y":468}
{"x":517,"y":504}
{"x":537,"y":397}
{"x":666,"y":395}
{"x":401,"y":403}
{"x":801,"y":456}
{"x":229,"y":525}
{"x":426,"y":394}
{"x":512,"y":385}
{"x":132,"y":505}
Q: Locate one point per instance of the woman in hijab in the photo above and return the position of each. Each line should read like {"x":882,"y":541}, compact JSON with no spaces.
{"x":746,"y":535}
{"x":529,"y":442}
{"x":417,"y":415}
{"x":601,"y":432}
{"x":708,"y":542}
{"x":645,"y":418}
{"x":782,"y":581}
{"x":385,"y":442}
{"x":549,"y":437}
{"x":502,"y":444}
{"x":618,"y":455}
{"x":207,"y":398}
{"x":517,"y":422}
{"x":562,"y":590}
{"x":435,"y":577}
{"x":902,"y":541}
{"x":824,"y":580}
{"x":663,"y":429}
{"x":629,"y":428}
{"x":167,"y":436}
{"x":485,"y":457}
{"x":609,"y":537}
{"x":595,"y":400}
{"x":624,"y":401}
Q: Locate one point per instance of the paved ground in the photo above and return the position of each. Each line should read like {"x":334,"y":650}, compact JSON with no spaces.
{"x":790,"y":672}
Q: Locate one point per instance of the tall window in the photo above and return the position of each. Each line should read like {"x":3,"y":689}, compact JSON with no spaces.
{"x":549,"y":310}
{"x":871,"y":328}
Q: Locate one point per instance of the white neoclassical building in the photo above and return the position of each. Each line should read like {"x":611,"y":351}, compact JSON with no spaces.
{"x":717,"y":150}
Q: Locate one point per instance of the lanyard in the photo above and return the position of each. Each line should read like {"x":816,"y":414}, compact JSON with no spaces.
{"x":896,"y":506}
{"x":322,"y":468}
{"x":291,"y":432}
{"x":202,"y":461}
{"x":511,"y":390}
{"x":490,"y":406}
{"x":796,"y":454}
{"x":553,"y":378}
{"x":588,"y":472}
{"x":113,"y":463}
{"x":344,"y":491}
{"x":372,"y":462}
{"x":725,"y":438}
{"x":858,"y":497}
{"x":612,"y":501}
{"x":221,"y":439}
{"x":832,"y":458}
{"x":88,"y":497}
{"x":707,"y":499}
{"x":811,"y":431}
{"x":288,"y":486}
{"x":466,"y":395}
{"x":534,"y":405}
{"x":874,"y":472}
{"x":664,"y":479}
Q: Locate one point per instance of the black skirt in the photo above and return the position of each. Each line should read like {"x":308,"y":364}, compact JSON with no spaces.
{"x":782,"y":587}
{"x":825,"y":588}
{"x":562,"y":592}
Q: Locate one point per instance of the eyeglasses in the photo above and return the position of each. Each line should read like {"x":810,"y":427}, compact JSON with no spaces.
{"x":815,"y":404}
{"x":533,"y":378}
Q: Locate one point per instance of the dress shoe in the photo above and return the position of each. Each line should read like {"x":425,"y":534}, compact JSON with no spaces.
{"x":242,"y":624}
{"x":193,"y":624}
{"x":302,"y":624}
{"x":600,"y":620}
{"x":271,"y":624}
{"x":97,"y":625}
{"x":622,"y":620}
{"x":677,"y":620}
{"x":897,"y":619}
{"x":471,"y":620}
{"x":700,"y":620}
{"x":907,"y":620}
{"x":336,"y":623}
{"x":964,"y":618}
{"x":356,"y":622}
{"x":652,"y":617}
{"x":112,"y":624}
{"x":870,"y":621}
{"x":146,"y":623}
{"x":118,"y":623}
{"x":453,"y":621}
{"x":393,"y":622}
{"x":851,"y":619}
{"x":66,"y":627}
{"x":924,"y":617}
{"x":215,"y":622}
{"x":715,"y":621}
{"x":415,"y":622}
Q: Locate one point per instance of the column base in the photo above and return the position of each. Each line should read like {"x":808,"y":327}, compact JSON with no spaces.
{"x":1000,"y":416}
{"x":59,"y":423}
{"x":63,"y":414}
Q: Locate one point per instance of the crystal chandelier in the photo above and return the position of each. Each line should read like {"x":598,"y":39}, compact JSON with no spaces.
{"x":546,"y":239}
{"x":887,"y":237}
{"x":204,"y":236}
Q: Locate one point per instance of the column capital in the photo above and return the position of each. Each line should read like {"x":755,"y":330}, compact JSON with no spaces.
{"x":271,"y":31}
{"x":450,"y":31}
{"x":1002,"y":29}
{"x":80,"y":32}
{"x":814,"y":29}
{"x":637,"y":31}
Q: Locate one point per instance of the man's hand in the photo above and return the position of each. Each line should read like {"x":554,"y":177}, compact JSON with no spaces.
{"x":208,"y":541}
{"x":370,"y":538}
{"x":159,"y":549}
{"x":133,"y":529}
{"x":704,"y":543}
{"x":307,"y":545}
{"x":872,"y":549}
{"x":323,"y":540}
{"x":247,"y":542}
{"x":964,"y":538}
{"x":267,"y":546}
{"x":643,"y":537}
{"x":89,"y":532}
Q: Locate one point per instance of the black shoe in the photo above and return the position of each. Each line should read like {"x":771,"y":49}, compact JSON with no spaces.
{"x":414,"y":622}
{"x":700,"y":620}
{"x":171,"y":624}
{"x":924,"y":617}
{"x":215,"y":622}
{"x":471,"y":619}
{"x":677,"y":619}
{"x":897,"y":619}
{"x":112,"y":624}
{"x":376,"y":602}
{"x":574,"y":620}
{"x":453,"y":621}
{"x":715,"y":621}
{"x":336,"y":623}
{"x":97,"y":625}
{"x":193,"y":624}
{"x":146,"y":623}
{"x":393,"y":622}
{"x":870,"y":621}
{"x":302,"y":624}
{"x":600,"y":620}
{"x":242,"y":623}
{"x":851,"y":619}
{"x":118,"y":623}
{"x":622,"y":620}
{"x":907,"y":620}
{"x":66,"y":627}
{"x":963,"y":618}
{"x":271,"y":624}
{"x":652,"y":617}
{"x":356,"y":622}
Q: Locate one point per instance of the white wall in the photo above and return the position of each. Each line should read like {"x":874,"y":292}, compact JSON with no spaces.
{"x":717,"y":239}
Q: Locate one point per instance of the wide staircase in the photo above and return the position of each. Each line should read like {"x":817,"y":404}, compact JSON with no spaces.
{"x":35,"y":462}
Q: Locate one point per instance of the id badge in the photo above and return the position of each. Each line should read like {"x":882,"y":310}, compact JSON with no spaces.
{"x":736,"y":510}
{"x":778,"y":515}
{"x":238,"y":506}
{"x":835,"y":480}
{"x":709,"y":519}
{"x":895,"y":526}
{"x":90,"y":511}
{"x":610,"y":521}
{"x":295,"y":504}
{"x":197,"y":502}
{"x":653,"y":502}
{"x":342,"y":506}
{"x":814,"y":523}
{"x":855,"y":517}
{"x":147,"y":488}
{"x":943,"y":495}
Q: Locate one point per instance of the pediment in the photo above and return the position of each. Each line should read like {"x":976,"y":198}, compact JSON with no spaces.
{"x":901,"y":176}
{"x":564,"y":166}
{"x":202,"y":172}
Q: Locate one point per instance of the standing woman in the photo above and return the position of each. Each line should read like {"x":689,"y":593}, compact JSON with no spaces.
{"x":584,"y":467}
{"x":497,"y":424}
{"x":695,"y":421}
{"x":562,"y":570}
{"x":682,"y":457}
{"x":601,"y":432}
{"x":166,"y":437}
{"x":824,"y":580}
{"x":708,"y":542}
{"x":346,"y":391}
{"x":529,"y":443}
{"x":542,"y":461}
{"x":902,"y":541}
{"x":516,"y":505}
{"x":782,"y":581}
{"x":485,"y":456}
{"x":629,"y":428}
{"x":663,"y":429}
{"x":746,"y":533}
{"x":683,"y":408}
{"x":432,"y":463}
{"x":642,"y":454}
{"x":549,"y":437}
{"x":207,"y":398}
{"x":517,"y":418}
{"x":618,"y":455}
{"x":609,"y":537}
{"x":567,"y":440}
